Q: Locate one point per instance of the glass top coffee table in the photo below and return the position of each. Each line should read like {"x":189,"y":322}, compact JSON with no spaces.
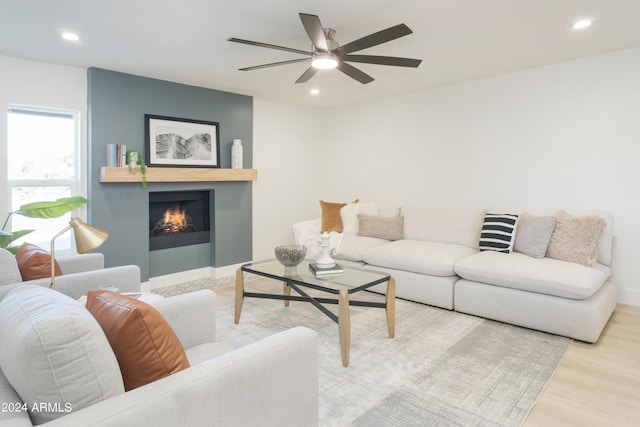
{"x":349,"y":282}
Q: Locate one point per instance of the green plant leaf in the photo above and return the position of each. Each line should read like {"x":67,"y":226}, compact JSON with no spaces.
{"x":7,"y":238}
{"x":51,"y":209}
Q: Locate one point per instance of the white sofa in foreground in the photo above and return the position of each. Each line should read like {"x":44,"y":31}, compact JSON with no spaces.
{"x":72,"y":377}
{"x":433,"y":253}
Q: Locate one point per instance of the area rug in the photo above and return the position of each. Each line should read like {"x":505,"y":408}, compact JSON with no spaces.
{"x":442,"y":368}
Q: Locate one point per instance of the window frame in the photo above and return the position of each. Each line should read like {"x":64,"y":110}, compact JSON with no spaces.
{"x":74,"y":183}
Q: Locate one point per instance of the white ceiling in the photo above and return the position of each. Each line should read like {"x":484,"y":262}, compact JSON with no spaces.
{"x":186,"y":41}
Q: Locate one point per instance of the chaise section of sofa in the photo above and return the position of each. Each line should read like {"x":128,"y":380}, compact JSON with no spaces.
{"x":547,"y":294}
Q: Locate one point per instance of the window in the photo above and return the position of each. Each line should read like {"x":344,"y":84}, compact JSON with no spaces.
{"x":42,"y":165}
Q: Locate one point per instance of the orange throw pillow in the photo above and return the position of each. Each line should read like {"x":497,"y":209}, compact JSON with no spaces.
{"x":35,"y":263}
{"x":331,"y":220}
{"x":146,"y":347}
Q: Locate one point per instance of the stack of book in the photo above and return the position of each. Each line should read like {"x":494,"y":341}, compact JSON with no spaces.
{"x":325,"y":273}
{"x":116,"y":155}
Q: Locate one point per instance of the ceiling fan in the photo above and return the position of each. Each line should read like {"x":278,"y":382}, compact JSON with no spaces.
{"x":326,"y":53}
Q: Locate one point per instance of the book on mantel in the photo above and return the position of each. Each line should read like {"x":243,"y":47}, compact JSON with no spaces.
{"x":336,"y":270}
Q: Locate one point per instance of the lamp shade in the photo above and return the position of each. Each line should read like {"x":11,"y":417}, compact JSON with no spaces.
{"x":88,"y":237}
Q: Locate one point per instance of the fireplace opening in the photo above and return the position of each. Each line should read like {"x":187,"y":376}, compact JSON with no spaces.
{"x":178,"y":218}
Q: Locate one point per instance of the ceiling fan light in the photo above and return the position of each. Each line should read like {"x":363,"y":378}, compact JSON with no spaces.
{"x":581,"y":24}
{"x":324,"y":61}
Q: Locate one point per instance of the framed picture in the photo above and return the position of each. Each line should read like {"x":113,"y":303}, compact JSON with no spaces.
{"x":173,"y":142}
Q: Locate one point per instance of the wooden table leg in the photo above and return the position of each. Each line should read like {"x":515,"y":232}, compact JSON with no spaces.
{"x":391,"y":306}
{"x":239,"y":294}
{"x":286,"y":291}
{"x":344,"y":327}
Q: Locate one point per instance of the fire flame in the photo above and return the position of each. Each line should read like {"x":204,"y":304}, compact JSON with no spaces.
{"x":175,"y":219}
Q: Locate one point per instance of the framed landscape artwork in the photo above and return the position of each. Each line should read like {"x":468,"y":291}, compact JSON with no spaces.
{"x":174,"y":142}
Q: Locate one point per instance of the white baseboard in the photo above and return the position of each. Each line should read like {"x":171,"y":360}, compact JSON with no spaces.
{"x":186,"y":276}
{"x":629,"y":296}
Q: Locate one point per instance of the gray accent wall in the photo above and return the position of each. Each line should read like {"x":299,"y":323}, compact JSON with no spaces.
{"x":117,"y":103}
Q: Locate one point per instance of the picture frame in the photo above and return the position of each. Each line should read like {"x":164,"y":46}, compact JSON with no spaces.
{"x":176,"y":142}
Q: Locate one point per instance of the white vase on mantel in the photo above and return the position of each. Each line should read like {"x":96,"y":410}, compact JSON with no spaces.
{"x":325,"y":260}
{"x":236,"y":154}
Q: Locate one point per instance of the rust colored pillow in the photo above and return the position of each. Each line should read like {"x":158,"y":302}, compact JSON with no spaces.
{"x":146,"y":347}
{"x":35,"y":263}
{"x":331,"y":220}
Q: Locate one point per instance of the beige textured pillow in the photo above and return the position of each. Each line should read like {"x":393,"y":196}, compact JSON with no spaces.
{"x":381,"y":227}
{"x":146,"y":347}
{"x":577,"y":239}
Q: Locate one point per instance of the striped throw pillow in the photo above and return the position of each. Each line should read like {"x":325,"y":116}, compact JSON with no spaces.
{"x":498,"y":232}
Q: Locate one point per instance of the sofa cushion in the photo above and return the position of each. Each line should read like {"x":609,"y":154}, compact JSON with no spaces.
{"x":533,"y":234}
{"x":498,"y":232}
{"x":331,"y":220}
{"x":9,"y":271}
{"x":35,"y":263}
{"x":353,"y":247}
{"x":458,"y":226}
{"x":381,"y":227}
{"x":545,"y":275}
{"x":577,"y":238}
{"x":436,"y":259}
{"x":146,"y":347}
{"x":53,"y":351}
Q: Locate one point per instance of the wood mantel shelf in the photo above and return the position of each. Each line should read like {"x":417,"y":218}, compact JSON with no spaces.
{"x":111,"y":174}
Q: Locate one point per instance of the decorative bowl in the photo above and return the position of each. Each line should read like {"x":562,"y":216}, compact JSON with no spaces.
{"x":290,"y":255}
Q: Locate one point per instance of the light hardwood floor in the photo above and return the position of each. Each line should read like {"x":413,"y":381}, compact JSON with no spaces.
{"x":596,"y":384}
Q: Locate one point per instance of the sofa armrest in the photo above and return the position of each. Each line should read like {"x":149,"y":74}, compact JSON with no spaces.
{"x":272,"y":382}
{"x":192,"y":316}
{"x":78,"y":263}
{"x":126,"y":278}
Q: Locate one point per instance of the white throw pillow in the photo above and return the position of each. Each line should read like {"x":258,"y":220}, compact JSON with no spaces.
{"x":9,"y":271}
{"x":54,"y":352}
{"x":349,"y":215}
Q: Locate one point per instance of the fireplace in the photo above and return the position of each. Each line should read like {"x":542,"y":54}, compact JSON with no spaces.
{"x":178,"y":218}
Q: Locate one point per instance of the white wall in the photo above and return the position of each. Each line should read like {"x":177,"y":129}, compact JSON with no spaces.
{"x":286,"y":149}
{"x":565,"y":136}
{"x":43,"y":85}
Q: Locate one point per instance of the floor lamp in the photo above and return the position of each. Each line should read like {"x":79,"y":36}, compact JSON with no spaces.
{"x":88,"y":238}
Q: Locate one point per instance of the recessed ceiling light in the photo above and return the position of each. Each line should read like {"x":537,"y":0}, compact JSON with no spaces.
{"x":314,"y":91}
{"x":583,"y":23}
{"x":70,"y":36}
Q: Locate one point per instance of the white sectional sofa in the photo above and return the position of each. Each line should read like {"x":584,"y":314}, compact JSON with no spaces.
{"x":436,"y":260}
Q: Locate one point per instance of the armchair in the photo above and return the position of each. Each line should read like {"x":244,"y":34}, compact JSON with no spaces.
{"x":272,"y":382}
{"x":80,"y":273}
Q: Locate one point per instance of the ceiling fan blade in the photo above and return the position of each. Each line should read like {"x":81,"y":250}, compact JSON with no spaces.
{"x":375,"y":39}
{"x":383,"y":60}
{"x":269,"y":46}
{"x":273,"y":64}
{"x":313,"y":27}
{"x":306,"y":76}
{"x":354,"y":73}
